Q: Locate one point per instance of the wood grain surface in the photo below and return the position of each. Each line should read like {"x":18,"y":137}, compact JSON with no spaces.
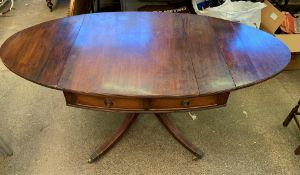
{"x":144,"y":54}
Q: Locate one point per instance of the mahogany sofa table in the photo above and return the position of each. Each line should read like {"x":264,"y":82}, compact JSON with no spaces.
{"x":144,"y":62}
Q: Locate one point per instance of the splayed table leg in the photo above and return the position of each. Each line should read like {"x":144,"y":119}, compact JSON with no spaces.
{"x":164,"y":119}
{"x":119,"y":132}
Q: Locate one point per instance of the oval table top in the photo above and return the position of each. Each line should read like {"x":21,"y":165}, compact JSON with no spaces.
{"x":144,"y":54}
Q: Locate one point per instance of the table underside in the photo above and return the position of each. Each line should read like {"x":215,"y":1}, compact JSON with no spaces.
{"x":158,"y":106}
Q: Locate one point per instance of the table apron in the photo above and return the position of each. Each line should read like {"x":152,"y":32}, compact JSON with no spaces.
{"x":134,"y":104}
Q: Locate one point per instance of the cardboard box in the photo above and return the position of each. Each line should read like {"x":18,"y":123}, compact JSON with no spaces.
{"x":271,"y":19}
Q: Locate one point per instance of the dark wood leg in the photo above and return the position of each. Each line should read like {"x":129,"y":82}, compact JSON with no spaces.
{"x":114,"y":138}
{"x":289,"y":118}
{"x":163,"y":118}
{"x":291,"y":115}
{"x":49,"y":4}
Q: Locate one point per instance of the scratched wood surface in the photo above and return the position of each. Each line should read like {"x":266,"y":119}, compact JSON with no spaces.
{"x":144,"y":54}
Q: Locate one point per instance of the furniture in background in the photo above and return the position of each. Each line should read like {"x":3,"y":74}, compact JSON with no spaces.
{"x":50,"y":4}
{"x":6,"y":6}
{"x":78,"y":7}
{"x":293,"y":115}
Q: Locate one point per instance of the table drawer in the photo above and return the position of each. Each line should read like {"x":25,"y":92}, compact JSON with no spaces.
{"x":189,"y":103}
{"x":144,"y":104}
{"x":103,"y":102}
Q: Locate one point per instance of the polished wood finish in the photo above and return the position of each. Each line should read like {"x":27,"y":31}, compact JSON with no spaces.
{"x":43,"y":61}
{"x":293,"y":115}
{"x":114,"y":138}
{"x":110,"y":103}
{"x":143,"y":54}
{"x":251,"y":57}
{"x":144,"y":62}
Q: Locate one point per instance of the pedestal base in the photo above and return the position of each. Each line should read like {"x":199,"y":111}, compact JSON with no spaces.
{"x":163,"y":118}
{"x":134,"y":105}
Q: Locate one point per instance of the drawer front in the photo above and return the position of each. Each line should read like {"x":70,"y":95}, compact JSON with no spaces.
{"x":107,"y":103}
{"x":189,"y":103}
{"x":103,"y":102}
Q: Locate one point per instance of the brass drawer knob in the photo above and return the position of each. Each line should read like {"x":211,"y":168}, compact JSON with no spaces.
{"x":108,"y":103}
{"x":185,"y":103}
